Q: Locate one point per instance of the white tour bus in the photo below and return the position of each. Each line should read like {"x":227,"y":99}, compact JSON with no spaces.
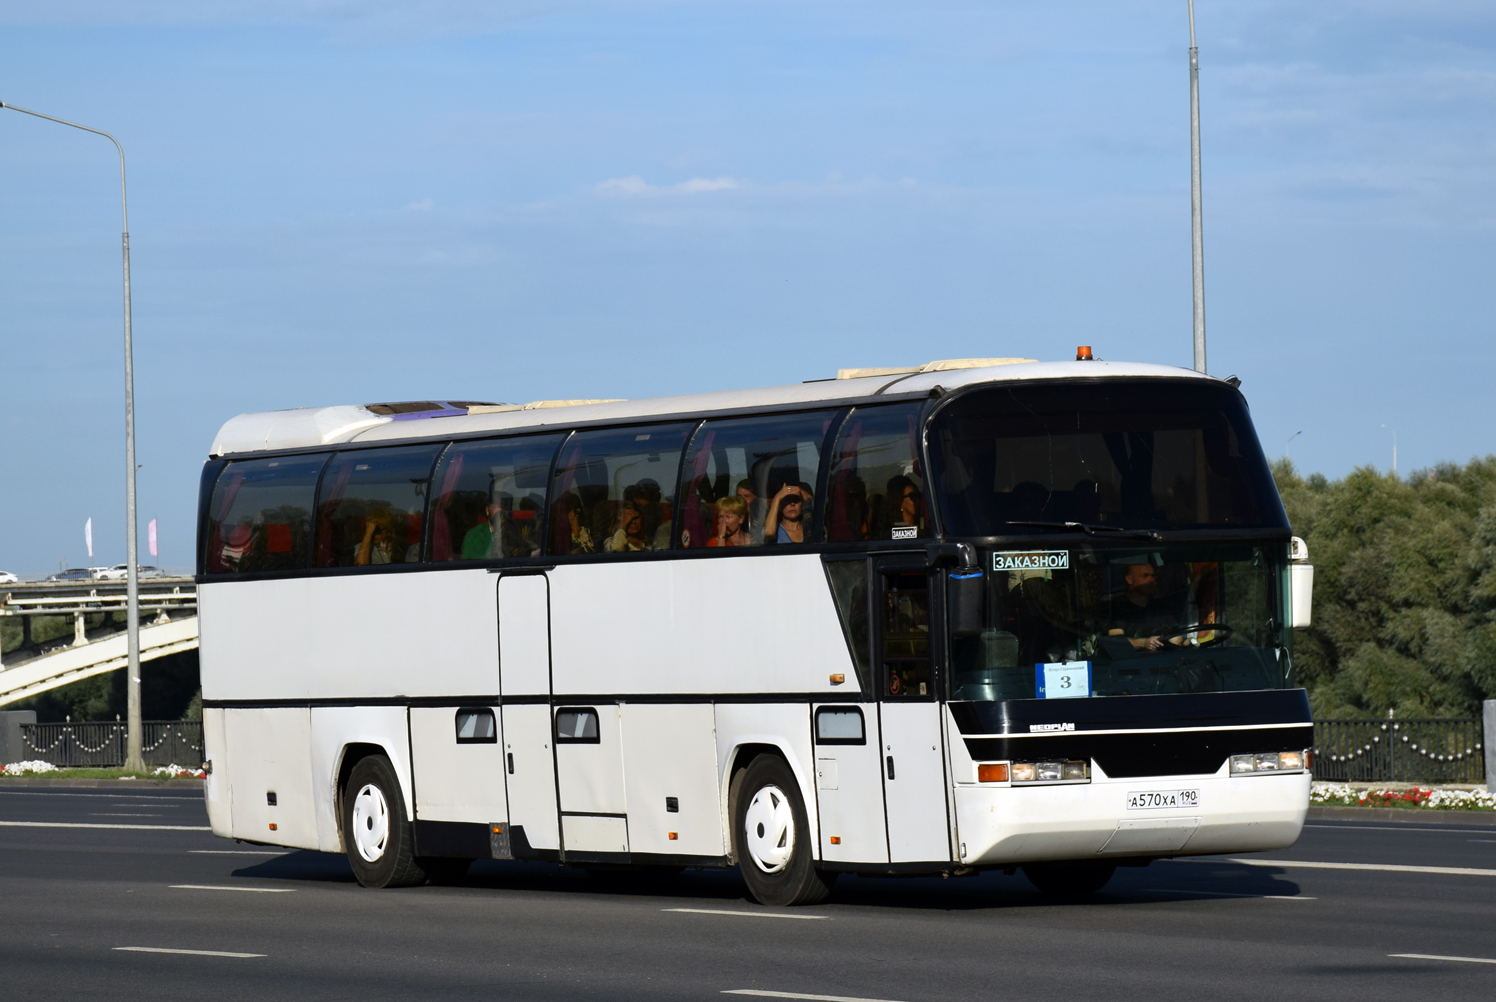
{"x":986,"y":613}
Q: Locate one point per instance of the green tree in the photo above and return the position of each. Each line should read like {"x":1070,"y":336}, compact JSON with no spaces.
{"x":1404,"y":590}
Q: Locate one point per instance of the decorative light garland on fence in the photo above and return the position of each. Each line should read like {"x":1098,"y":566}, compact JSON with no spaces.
{"x":1376,"y":738}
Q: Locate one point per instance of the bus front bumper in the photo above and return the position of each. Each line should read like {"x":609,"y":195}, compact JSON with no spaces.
{"x":1002,"y":824}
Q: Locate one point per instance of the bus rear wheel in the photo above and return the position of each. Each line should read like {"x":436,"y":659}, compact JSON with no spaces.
{"x":771,"y":837}
{"x":1069,"y":880}
{"x":378,"y":835}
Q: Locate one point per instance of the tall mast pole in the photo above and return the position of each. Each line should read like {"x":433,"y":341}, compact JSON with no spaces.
{"x":1197,"y":237}
{"x":134,"y":761}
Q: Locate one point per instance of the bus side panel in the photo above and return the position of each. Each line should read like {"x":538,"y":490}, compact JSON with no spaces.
{"x":334,"y":728}
{"x":350,"y":636}
{"x":454,"y":782}
{"x":785,"y":726}
{"x":671,"y":752}
{"x":269,"y":752}
{"x":216,"y":785}
{"x":760,"y":624}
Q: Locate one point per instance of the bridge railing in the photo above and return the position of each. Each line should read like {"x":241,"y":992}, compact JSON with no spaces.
{"x":1429,"y":750}
{"x":102,"y":744}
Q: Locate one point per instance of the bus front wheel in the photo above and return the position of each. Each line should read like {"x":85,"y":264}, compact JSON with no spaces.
{"x":771,"y":836}
{"x":375,"y":830}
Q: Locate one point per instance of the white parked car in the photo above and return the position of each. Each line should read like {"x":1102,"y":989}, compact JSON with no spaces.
{"x":119,"y":572}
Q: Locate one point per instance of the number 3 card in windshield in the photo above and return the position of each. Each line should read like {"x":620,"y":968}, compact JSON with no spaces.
{"x":1063,"y":679}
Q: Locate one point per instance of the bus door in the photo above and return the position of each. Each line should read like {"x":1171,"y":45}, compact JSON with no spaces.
{"x":525,"y":694}
{"x":913,"y":765}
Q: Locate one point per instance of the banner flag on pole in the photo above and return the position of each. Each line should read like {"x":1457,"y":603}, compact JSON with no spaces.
{"x":151,"y":534}
{"x":88,"y":538}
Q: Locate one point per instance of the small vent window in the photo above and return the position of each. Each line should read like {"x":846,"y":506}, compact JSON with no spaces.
{"x":476,"y":726}
{"x":576,"y":726}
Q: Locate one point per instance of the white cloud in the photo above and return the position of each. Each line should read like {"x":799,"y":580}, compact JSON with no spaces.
{"x":634,"y":185}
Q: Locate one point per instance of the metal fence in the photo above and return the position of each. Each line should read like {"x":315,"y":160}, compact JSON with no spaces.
{"x":1443,"y":750}
{"x":102,"y":744}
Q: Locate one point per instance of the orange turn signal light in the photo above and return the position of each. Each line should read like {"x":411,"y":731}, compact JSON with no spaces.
{"x":498,"y":829}
{"x":836,"y":840}
{"x":993,"y":772}
{"x":673,"y":835}
{"x":272,"y":826}
{"x":838,"y":679}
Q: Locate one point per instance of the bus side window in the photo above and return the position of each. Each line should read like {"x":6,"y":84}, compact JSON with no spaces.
{"x":737,"y":468}
{"x":260,"y":515}
{"x":876,"y":490}
{"x":614,"y":490}
{"x":490,"y":499}
{"x":372,"y":506}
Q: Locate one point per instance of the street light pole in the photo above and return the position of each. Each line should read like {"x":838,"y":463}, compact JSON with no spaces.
{"x":1394,"y":449}
{"x":1197,"y":236}
{"x":134,"y":762}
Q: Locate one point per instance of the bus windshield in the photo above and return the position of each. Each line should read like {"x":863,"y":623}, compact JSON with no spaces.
{"x":1127,"y":620}
{"x":1116,"y":454}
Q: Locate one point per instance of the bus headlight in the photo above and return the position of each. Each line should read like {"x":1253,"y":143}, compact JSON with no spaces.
{"x":1052,"y":771}
{"x":1289,"y":761}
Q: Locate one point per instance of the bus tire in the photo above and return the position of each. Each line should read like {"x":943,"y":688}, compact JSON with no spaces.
{"x":771,"y":837}
{"x":378,"y":836}
{"x":1069,"y":880}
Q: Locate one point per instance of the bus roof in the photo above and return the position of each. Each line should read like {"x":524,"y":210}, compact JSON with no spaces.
{"x":313,"y":427}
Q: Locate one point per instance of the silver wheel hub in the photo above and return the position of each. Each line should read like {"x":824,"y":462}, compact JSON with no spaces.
{"x":371,"y":823}
{"x":769,"y":829}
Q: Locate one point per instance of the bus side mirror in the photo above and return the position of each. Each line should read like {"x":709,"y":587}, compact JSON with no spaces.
{"x":1300,"y":585}
{"x":967,"y":593}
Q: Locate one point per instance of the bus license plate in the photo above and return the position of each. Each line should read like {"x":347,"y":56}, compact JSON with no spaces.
{"x":1152,"y":800}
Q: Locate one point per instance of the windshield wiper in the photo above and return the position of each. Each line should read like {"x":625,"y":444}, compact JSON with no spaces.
{"x":1094,"y":530}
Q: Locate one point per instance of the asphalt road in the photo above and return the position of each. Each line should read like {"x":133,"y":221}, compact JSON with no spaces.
{"x":72,"y":897}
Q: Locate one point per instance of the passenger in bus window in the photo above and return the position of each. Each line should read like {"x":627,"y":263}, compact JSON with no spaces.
{"x":379,"y":539}
{"x":649,"y":498}
{"x":630,"y":536}
{"x":519,"y":534}
{"x":732,"y":518}
{"x":786,"y":521}
{"x":756,"y":508}
{"x":902,"y":507}
{"x":477,"y":543}
{"x":581,"y":536}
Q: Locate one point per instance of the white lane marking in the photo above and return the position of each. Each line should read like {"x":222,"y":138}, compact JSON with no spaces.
{"x":1457,"y":871}
{"x":1229,"y":894}
{"x":234,"y":852}
{"x":1396,"y":827}
{"x":183,"y":797}
{"x":798,"y":995}
{"x":723,"y":911}
{"x":98,"y":814}
{"x":1435,"y":956}
{"x":75,"y":824}
{"x":224,"y":887}
{"x":190,"y":953}
{"x":1480,"y":840}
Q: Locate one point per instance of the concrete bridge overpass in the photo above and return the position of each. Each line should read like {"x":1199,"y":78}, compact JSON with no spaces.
{"x":59,"y":633}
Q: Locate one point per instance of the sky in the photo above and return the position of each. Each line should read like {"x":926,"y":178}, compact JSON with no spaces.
{"x":350,"y":201}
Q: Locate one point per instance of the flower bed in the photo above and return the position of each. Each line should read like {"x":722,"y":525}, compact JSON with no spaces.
{"x":40,"y":768}
{"x":1413,"y":798}
{"x":35,"y":768}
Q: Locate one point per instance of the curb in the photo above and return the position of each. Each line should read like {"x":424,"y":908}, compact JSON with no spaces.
{"x":100,"y":784}
{"x":1404,"y":815}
